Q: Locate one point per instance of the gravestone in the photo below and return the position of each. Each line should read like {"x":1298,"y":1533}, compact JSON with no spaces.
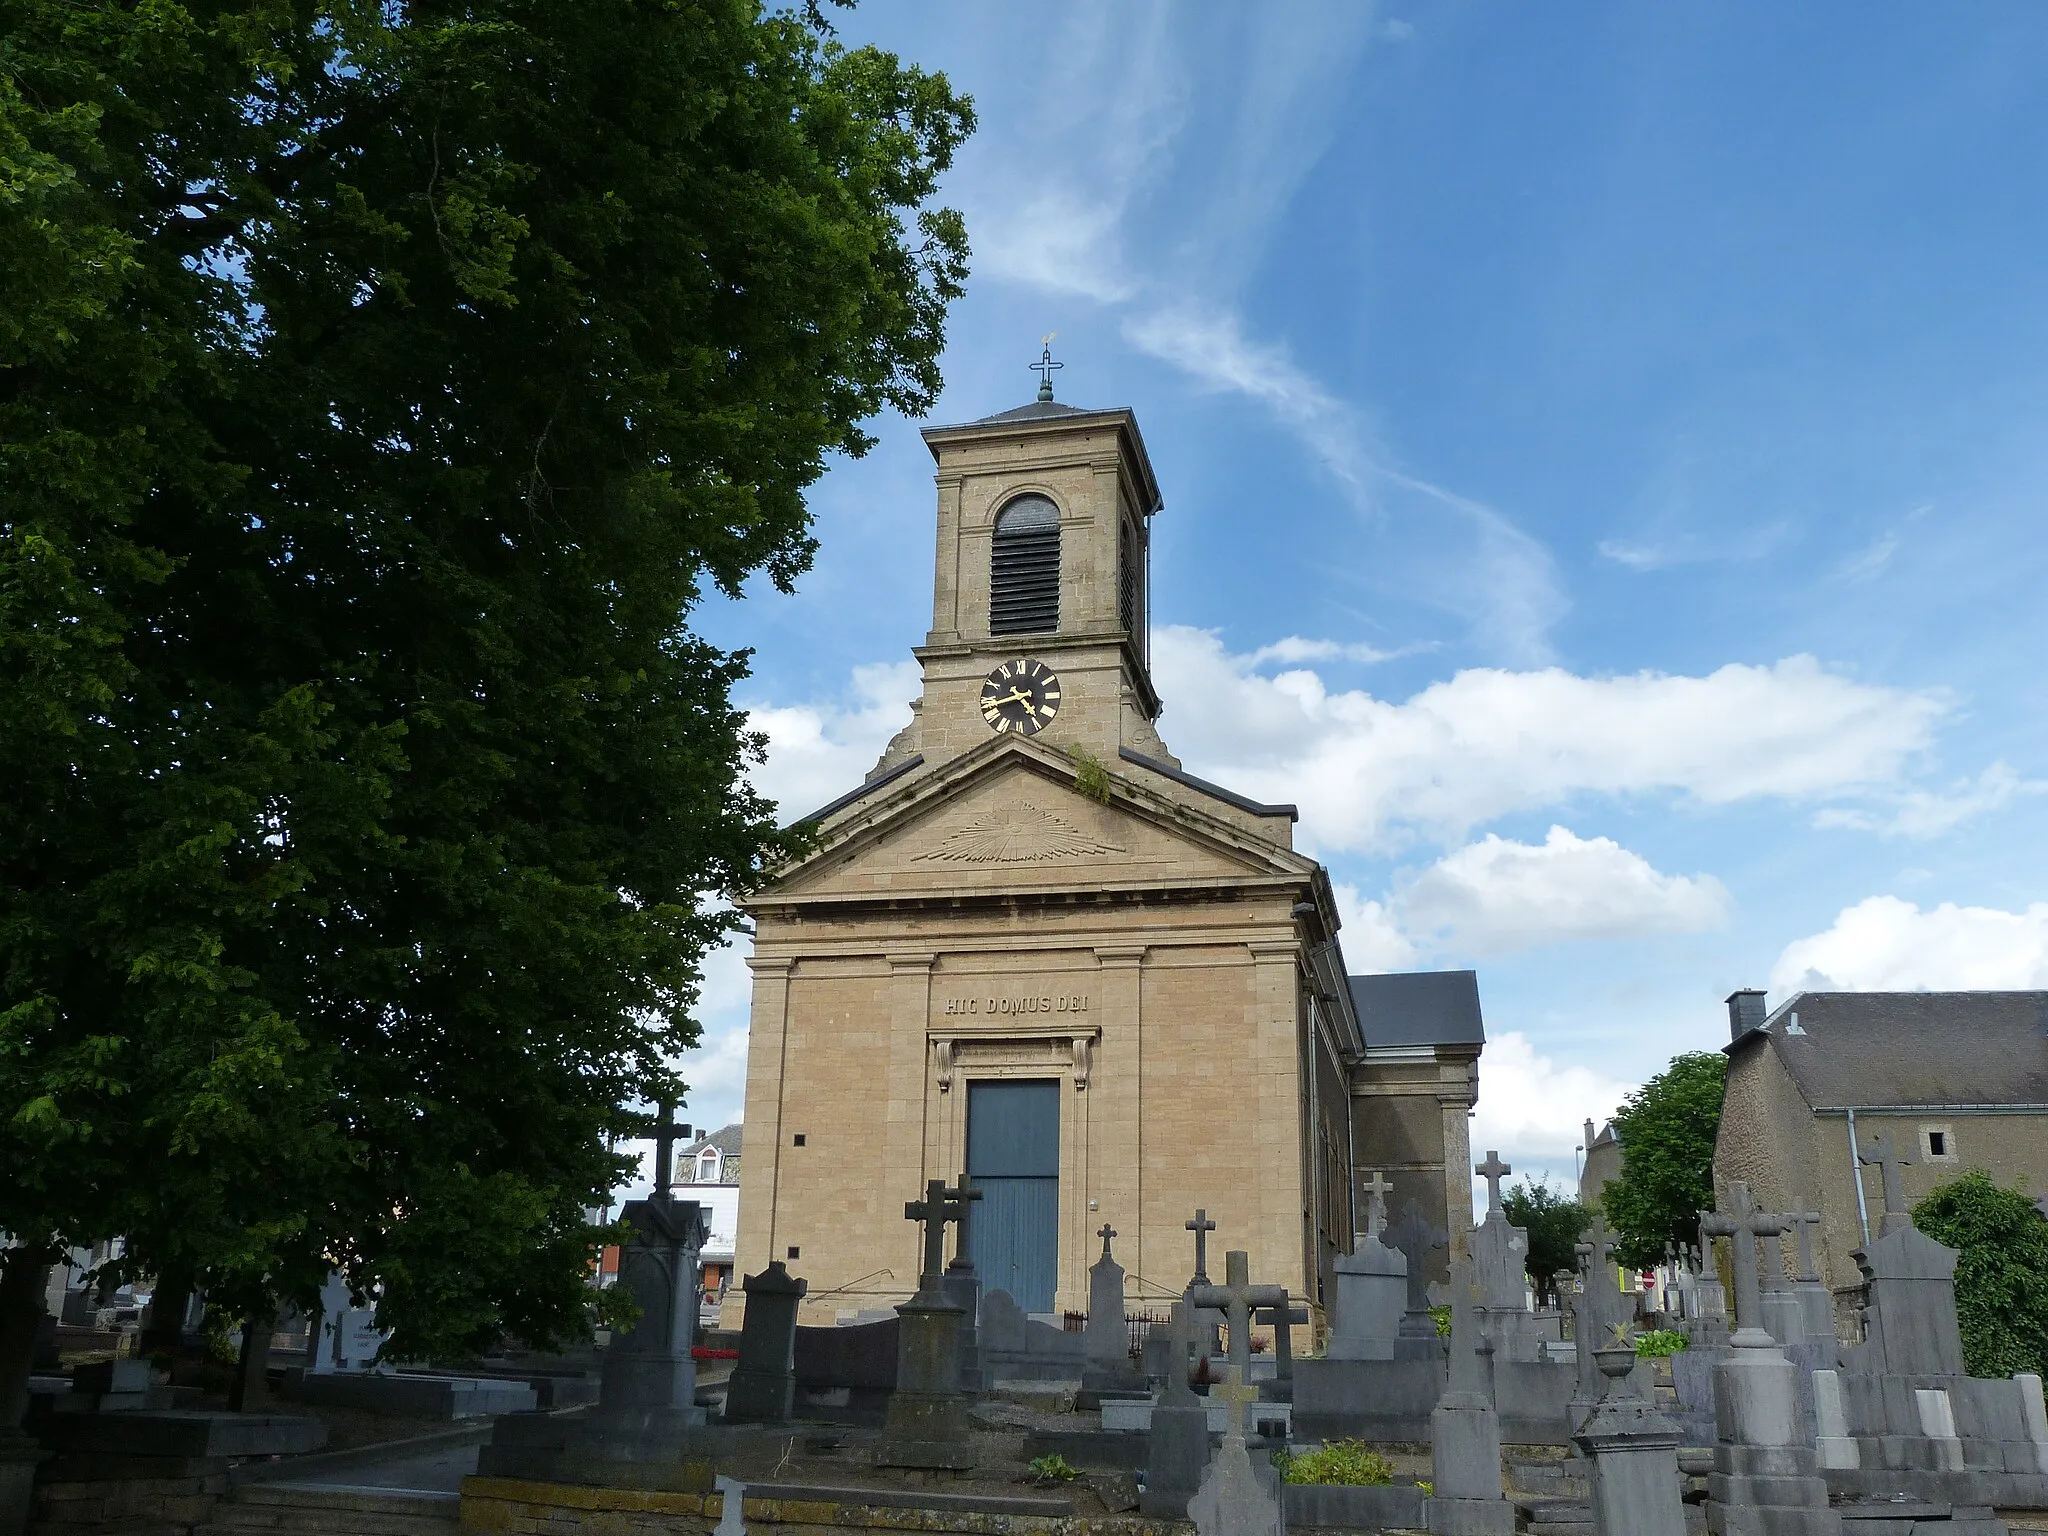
{"x":1208,"y":1322}
{"x":346,"y":1337}
{"x":963,"y":1284}
{"x":1106,"y":1339}
{"x":1500,"y":1255}
{"x":1784,"y":1317}
{"x":1633,"y":1449}
{"x":1708,"y":1331}
{"x":1177,"y":1440}
{"x":1416,"y":1239}
{"x":1465,"y":1430}
{"x":1766,"y":1477}
{"x":1371,"y":1288}
{"x":1233,"y":1499}
{"x":927,"y":1424}
{"x":1878,"y":1153}
{"x":1596,"y":1311}
{"x":1237,"y":1298}
{"x":763,"y":1385}
{"x":1816,"y":1305}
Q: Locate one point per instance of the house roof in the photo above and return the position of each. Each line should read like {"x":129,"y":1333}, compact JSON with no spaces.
{"x":1419,"y":1008}
{"x":726,"y":1140}
{"x":1882,"y":1049}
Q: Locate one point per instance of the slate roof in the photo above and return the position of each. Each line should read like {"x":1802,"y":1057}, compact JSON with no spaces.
{"x":1878,"y":1049}
{"x":1419,"y":1008}
{"x":1037,"y":410}
{"x":727,"y":1141}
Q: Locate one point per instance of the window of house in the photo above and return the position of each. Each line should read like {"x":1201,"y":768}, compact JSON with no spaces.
{"x":1024,"y":569}
{"x":707,"y":1166}
{"x":1938,"y":1143}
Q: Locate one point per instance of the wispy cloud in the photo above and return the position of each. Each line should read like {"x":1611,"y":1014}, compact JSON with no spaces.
{"x":1294,"y":650}
{"x":1932,"y":812}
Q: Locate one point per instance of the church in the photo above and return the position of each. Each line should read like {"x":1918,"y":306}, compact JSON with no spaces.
{"x":1032,"y":948}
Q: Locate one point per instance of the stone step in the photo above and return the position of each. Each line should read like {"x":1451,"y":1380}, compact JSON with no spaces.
{"x":1555,"y":1517}
{"x":281,"y":1509}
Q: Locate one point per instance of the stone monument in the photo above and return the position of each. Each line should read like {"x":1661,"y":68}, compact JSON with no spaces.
{"x":1177,"y":1441}
{"x":1500,"y":1255}
{"x":1766,"y":1478}
{"x":963,"y":1284}
{"x":1207,"y":1321}
{"x":1465,"y":1430}
{"x":927,"y":1422}
{"x":763,"y":1385}
{"x":1106,"y":1339}
{"x":1816,"y":1305}
{"x":1372,"y":1288}
{"x":1634,"y":1454}
{"x":1416,"y":1239}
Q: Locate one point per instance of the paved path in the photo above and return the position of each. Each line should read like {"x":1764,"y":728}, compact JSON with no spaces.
{"x":439,"y":1471}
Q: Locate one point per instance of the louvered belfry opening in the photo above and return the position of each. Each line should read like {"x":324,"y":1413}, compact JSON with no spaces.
{"x":1127,"y":578}
{"x":1024,"y":569}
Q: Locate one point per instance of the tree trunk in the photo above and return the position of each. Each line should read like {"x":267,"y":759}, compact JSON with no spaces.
{"x":164,"y":1332}
{"x":250,"y":1392}
{"x":24,"y":1272}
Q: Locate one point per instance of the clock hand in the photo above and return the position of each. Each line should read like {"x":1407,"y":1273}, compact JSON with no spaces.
{"x":1020,"y":696}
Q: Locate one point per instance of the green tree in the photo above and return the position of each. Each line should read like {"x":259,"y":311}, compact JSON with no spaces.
{"x":2001,"y":1275}
{"x":381,"y":385}
{"x":1667,"y":1130}
{"x":1553,"y":1223}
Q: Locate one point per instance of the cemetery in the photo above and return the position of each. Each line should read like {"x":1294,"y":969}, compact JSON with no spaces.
{"x":963,"y":1413}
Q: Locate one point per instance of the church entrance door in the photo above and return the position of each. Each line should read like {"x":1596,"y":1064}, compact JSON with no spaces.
{"x":1013,"y":1154}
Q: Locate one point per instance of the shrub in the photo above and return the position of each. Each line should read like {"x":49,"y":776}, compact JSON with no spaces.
{"x":1350,"y":1463}
{"x":2001,"y":1275}
{"x":1052,"y":1469}
{"x":1442,"y":1317}
{"x":1659,"y":1341}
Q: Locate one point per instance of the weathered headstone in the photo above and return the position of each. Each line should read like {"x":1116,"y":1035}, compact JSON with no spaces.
{"x":1237,"y":1297}
{"x":1500,"y":1253}
{"x":927,"y":1421}
{"x":1878,"y":1153}
{"x":1816,"y":1305}
{"x":1416,"y":1239}
{"x":1371,"y":1288}
{"x":1465,"y":1430}
{"x":1766,"y":1477}
{"x":1106,"y":1338}
{"x":963,"y":1284}
{"x":763,"y":1385}
{"x":1633,"y":1449}
{"x":1177,"y":1441}
{"x":1207,"y":1321}
{"x":1596,"y":1310}
{"x":1233,"y":1500}
{"x":1784,"y":1319}
{"x":346,"y":1336}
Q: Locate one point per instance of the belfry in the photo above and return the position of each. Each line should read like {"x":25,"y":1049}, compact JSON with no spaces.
{"x":1032,"y":948}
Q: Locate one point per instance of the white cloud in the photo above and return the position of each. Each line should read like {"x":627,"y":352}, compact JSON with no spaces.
{"x":1372,"y":774}
{"x":1295,"y":649}
{"x":1870,"y":562}
{"x":1883,"y":944}
{"x":818,"y":751}
{"x":1497,"y":896}
{"x":1372,"y":939}
{"x":1930,"y":813}
{"x":1531,"y":1108}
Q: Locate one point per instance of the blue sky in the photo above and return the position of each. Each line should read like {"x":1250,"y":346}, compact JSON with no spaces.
{"x":1603,"y":456}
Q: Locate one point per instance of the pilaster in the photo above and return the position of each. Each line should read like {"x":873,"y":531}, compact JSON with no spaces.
{"x":760,"y":1170}
{"x":1273,"y":1092}
{"x":1117,"y":1110}
{"x":905,"y":1087}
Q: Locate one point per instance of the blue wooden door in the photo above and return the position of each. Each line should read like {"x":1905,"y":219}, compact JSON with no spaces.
{"x":1013,"y":1153}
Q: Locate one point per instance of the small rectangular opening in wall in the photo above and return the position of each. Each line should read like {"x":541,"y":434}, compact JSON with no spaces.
{"x":797,"y":1140}
{"x":796,"y":1252}
{"x":1938,"y":1143}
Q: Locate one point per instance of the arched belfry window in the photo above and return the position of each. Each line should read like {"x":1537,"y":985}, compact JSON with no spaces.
{"x":1024,"y":569}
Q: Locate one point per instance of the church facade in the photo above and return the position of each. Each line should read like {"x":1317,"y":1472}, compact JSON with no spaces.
{"x":1031,"y":948}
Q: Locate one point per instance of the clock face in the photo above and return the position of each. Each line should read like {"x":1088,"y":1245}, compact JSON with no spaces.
{"x":1020,"y":696}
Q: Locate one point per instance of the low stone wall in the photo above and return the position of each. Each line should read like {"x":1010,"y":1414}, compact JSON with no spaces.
{"x":168,"y":1495}
{"x":517,"y":1508}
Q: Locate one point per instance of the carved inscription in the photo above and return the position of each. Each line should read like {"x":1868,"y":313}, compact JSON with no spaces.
{"x":998,"y":1006}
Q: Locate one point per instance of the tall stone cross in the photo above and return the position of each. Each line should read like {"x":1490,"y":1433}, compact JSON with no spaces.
{"x":1181,"y":1337}
{"x":1879,"y":1152}
{"x":1599,"y":1296}
{"x":1105,"y":1232}
{"x":959,"y":1199}
{"x":1376,"y":1189}
{"x":1742,"y":1223}
{"x":1201,"y":1226}
{"x":1237,"y":1296}
{"x":1596,"y":1249}
{"x":1416,"y":1239}
{"x":934,"y":1210}
{"x":665,"y":1135}
{"x":1493,"y":1170}
{"x":1804,"y":1223}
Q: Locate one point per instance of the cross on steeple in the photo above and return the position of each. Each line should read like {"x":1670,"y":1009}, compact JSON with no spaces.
{"x":1045,"y":367}
{"x":1879,"y":1152}
{"x":1493,"y":1170}
{"x":1201,"y":1226}
{"x":1376,"y":1189}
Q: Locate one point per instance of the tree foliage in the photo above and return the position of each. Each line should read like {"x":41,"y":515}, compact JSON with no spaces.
{"x":1667,"y":1130}
{"x":2002,"y":1274}
{"x":1553,"y":1222}
{"x":381,"y":384}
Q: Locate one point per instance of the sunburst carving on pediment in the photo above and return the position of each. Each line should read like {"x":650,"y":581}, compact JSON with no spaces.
{"x":1016,"y":834}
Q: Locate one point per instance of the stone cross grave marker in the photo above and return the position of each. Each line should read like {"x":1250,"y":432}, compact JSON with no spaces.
{"x":1493,"y":1170}
{"x":1742,"y":1223}
{"x":1237,"y":1296}
{"x":1376,"y":1190}
{"x":959,"y":1201}
{"x":1232,"y":1501}
{"x":1201,"y":1226}
{"x":1878,"y":1153}
{"x":1416,"y":1239}
{"x":665,"y":1134}
{"x":934,"y":1210}
{"x":1804,"y":1223}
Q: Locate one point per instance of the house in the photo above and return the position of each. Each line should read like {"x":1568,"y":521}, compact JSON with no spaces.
{"x":1603,"y":1163}
{"x":1953,"y":1081}
{"x":708,"y":1172}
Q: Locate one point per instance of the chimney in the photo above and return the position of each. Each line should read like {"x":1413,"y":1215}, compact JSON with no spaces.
{"x":1589,"y":1135}
{"x":1745,"y":1012}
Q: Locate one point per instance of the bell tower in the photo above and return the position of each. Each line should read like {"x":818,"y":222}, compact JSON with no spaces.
{"x":1041,"y":590}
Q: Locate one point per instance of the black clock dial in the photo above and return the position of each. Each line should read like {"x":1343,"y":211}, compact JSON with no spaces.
{"x":1020,"y":696}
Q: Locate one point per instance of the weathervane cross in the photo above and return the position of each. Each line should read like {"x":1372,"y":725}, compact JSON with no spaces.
{"x":1045,"y":367}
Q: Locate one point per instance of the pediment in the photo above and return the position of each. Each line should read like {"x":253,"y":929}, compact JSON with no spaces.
{"x":1016,"y":820}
